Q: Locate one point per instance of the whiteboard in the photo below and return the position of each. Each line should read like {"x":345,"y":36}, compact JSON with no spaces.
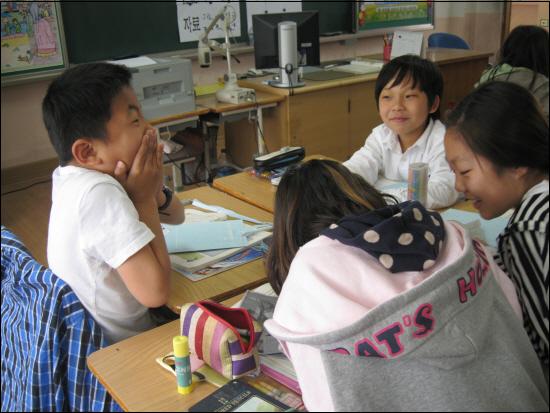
{"x":194,"y":17}
{"x":262,"y":7}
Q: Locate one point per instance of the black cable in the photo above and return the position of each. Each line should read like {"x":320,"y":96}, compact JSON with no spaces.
{"x":262,"y":134}
{"x":182,"y":170}
{"x":26,"y":187}
{"x":288,"y":70}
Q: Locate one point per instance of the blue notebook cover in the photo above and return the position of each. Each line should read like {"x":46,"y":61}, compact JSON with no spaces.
{"x":203,"y":236}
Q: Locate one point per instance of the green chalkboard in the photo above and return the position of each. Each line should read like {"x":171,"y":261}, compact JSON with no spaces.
{"x":335,"y":17}
{"x":117,"y":29}
{"x":108,"y":30}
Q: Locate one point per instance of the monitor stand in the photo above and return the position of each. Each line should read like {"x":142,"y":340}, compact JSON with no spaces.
{"x":288,"y":57}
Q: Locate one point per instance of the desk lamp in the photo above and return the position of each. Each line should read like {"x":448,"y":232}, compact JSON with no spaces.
{"x":231,"y":92}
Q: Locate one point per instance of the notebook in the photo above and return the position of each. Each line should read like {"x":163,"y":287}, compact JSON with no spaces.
{"x":238,"y":396}
{"x":242,"y":257}
{"x":196,"y":260}
{"x":361,"y":67}
{"x":203,"y":236}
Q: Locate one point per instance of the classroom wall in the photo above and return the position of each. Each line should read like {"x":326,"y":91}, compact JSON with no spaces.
{"x":24,"y":139}
{"x":528,"y":12}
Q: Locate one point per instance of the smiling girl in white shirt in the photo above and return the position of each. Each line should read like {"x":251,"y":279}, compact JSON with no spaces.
{"x":408,"y":92}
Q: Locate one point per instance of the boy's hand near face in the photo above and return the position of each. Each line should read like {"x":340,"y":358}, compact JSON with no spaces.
{"x":147,"y":272}
{"x":144,"y":179}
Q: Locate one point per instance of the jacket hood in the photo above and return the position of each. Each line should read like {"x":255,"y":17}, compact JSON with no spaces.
{"x":402,"y":237}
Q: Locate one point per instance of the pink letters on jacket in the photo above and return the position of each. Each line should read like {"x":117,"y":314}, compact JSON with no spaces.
{"x":386,"y":342}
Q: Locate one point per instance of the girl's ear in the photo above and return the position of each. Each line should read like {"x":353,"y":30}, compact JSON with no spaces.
{"x":85,"y":153}
{"x":435,"y":104}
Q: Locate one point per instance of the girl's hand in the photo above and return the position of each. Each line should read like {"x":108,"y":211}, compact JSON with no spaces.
{"x":144,"y":180}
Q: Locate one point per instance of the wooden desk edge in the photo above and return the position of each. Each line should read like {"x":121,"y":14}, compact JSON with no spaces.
{"x":239,"y":195}
{"x":89,"y":362}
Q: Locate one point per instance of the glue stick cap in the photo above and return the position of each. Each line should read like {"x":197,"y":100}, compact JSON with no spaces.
{"x":181,"y":346}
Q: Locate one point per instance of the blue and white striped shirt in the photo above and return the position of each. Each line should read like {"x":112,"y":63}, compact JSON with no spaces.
{"x":46,"y":336}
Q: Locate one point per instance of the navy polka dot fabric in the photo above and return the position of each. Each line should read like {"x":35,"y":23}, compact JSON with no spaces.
{"x":403,"y":237}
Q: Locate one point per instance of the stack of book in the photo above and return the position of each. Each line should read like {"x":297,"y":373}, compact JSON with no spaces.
{"x":198,"y":265}
{"x":260,"y":303}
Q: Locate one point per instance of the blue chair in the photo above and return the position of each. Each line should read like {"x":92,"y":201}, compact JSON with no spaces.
{"x":447,"y":40}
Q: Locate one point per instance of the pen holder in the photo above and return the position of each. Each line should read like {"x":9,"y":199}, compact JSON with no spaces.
{"x":387,"y":53}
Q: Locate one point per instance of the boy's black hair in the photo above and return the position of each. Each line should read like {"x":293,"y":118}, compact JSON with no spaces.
{"x":421,"y":71}
{"x":526,"y":46}
{"x":504,"y":123}
{"x":78,"y":104}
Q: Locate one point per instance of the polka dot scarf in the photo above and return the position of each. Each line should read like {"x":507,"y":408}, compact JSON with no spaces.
{"x":403,"y":237}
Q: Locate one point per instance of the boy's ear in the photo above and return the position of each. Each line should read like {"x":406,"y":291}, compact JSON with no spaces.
{"x":435,"y":104}
{"x":520,"y":171}
{"x":85,"y":152}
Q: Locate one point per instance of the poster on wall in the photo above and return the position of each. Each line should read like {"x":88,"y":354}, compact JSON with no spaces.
{"x":32,"y":37}
{"x":195,"y":16}
{"x":391,"y":14}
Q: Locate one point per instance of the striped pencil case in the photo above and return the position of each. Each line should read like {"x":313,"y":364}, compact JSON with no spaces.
{"x":223,"y":337}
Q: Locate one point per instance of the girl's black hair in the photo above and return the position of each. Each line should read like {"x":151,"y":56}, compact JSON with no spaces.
{"x":78,"y":104}
{"x":309,"y":198}
{"x":526,"y":46}
{"x":421,"y":71}
{"x":503,"y":122}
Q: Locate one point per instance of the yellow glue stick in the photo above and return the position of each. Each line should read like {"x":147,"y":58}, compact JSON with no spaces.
{"x":183,"y":364}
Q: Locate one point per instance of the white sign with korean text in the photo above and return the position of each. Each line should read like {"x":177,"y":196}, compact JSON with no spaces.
{"x":195,"y":16}
{"x":405,"y":42}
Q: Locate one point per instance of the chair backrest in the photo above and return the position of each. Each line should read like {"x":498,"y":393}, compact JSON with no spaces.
{"x":447,"y":40}
{"x":46,"y":336}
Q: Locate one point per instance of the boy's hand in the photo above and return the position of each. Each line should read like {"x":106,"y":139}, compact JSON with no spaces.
{"x":144,"y":180}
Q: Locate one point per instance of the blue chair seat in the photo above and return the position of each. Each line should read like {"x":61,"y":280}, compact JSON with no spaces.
{"x":447,"y":40}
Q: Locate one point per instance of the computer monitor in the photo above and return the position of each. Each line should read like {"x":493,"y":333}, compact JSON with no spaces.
{"x":266,"y":42}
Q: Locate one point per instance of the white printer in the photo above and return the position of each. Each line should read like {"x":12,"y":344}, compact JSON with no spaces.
{"x":164,"y":88}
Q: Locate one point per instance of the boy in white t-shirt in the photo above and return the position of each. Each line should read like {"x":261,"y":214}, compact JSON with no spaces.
{"x":408,"y":92}
{"x":104,"y":237}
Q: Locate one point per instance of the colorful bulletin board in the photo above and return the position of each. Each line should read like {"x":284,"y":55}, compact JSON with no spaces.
{"x":373,"y":15}
{"x":32,"y":39}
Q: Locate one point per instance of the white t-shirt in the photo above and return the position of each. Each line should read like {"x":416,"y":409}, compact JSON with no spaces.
{"x":382,"y":155}
{"x":94,"y":228}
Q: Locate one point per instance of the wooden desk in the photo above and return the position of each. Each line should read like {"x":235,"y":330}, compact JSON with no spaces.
{"x":335,"y":117}
{"x":129,"y":372}
{"x":228,"y":283}
{"x":224,"y":113}
{"x":208,"y":109}
{"x":263,"y":98}
{"x":261,"y":193}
